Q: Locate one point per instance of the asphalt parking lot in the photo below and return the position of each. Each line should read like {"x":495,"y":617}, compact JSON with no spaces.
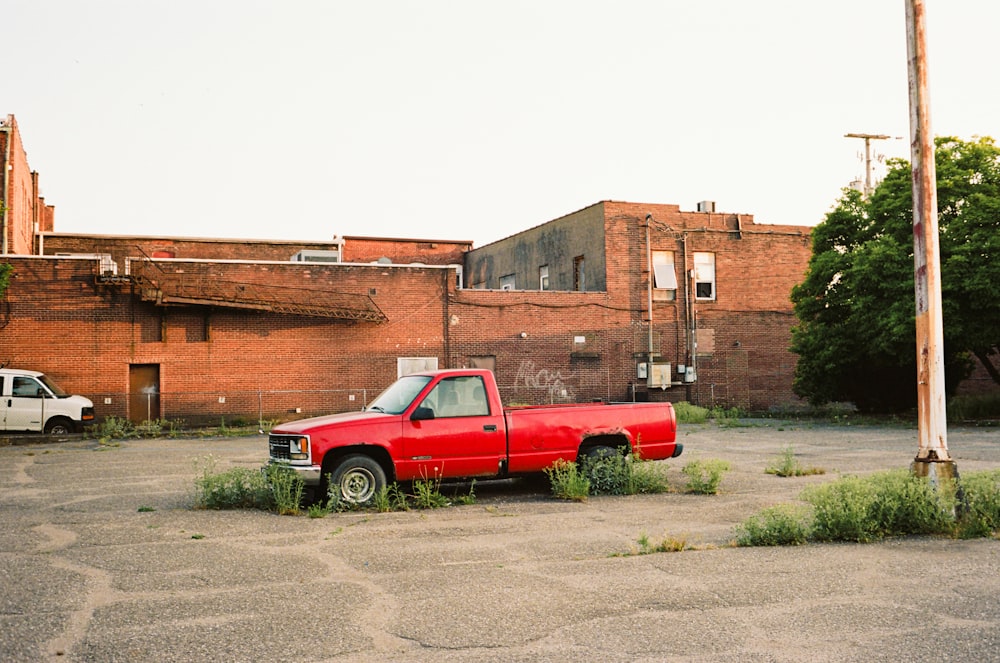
{"x":102,"y":558}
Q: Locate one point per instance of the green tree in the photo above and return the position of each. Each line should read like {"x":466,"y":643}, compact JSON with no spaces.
{"x":856,"y":338}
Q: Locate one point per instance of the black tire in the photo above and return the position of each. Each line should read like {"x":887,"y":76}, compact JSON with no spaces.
{"x":59,"y":426}
{"x":357,"y":479}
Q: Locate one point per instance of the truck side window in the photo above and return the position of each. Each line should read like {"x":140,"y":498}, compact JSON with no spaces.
{"x":26,"y":388}
{"x":458,"y":397}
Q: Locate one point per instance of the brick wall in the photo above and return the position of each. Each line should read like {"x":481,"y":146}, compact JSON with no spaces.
{"x":23,"y":201}
{"x":58,"y":319}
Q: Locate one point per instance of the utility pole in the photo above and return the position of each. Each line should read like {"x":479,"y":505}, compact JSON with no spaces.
{"x":932,"y":459}
{"x":868,"y":138}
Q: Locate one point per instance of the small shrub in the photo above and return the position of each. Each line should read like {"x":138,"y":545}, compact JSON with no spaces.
{"x":726,"y":417}
{"x":114,"y":428}
{"x":236,"y":488}
{"x":608,"y":473}
{"x":287,"y":488}
{"x":979,"y":513}
{"x":567,"y":482}
{"x":687,"y":413}
{"x":704,"y":476}
{"x":884,"y":504}
{"x":646,"y":477}
{"x":390,"y":498}
{"x":782,"y":525}
{"x":427,"y":494}
{"x":788,"y":466}
{"x":318,"y":510}
{"x":469,"y":498}
{"x":146,"y":509}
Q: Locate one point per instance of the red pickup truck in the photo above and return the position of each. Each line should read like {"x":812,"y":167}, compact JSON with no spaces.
{"x":451,"y":424}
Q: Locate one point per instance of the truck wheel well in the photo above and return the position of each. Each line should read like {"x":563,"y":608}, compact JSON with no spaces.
{"x":379,"y":454}
{"x":613,"y":441}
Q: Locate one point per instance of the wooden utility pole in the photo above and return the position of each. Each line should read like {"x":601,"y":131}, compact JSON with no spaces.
{"x":932,"y":458}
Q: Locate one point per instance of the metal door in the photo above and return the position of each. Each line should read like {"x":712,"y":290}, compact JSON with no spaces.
{"x":143,"y":392}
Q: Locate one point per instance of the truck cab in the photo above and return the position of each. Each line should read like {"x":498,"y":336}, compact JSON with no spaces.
{"x":31,"y":401}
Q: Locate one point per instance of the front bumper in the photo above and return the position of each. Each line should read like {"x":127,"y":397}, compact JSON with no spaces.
{"x":310,"y":474}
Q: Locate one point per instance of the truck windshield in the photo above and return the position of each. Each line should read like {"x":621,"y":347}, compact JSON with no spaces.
{"x":53,"y":387}
{"x":399,"y":395}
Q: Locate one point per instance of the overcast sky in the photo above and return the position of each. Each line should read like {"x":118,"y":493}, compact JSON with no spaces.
{"x":465,"y":119}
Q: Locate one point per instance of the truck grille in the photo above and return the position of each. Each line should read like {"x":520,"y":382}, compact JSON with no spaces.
{"x":279,"y":446}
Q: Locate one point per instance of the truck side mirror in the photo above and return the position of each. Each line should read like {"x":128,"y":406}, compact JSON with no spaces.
{"x":421,"y":414}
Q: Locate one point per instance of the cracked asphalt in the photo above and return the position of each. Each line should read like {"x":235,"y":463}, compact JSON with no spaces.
{"x":102,"y":558}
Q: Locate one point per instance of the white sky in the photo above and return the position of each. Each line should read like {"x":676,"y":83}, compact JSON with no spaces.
{"x":469,"y":120}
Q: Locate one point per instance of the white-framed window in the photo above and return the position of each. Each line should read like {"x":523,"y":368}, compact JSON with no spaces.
{"x":664,"y":276}
{"x":507,"y":282}
{"x":543,"y":277}
{"x":704,"y":276}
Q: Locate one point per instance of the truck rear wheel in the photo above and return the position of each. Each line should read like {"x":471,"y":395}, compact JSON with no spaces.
{"x":357,"y":479}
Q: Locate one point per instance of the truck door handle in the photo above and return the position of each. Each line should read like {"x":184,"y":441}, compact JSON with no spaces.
{"x":490,"y":428}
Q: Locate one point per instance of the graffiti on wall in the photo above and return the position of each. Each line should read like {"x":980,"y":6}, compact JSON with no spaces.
{"x":553,"y":384}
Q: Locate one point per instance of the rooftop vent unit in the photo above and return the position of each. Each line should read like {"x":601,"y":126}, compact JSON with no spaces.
{"x":315,"y":255}
{"x":706,"y":206}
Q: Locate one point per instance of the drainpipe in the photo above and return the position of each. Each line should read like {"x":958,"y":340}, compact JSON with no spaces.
{"x":688,"y":355}
{"x":5,"y":127}
{"x":649,"y":296}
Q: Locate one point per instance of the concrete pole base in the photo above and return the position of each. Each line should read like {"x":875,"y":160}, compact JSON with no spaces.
{"x":934,"y":469}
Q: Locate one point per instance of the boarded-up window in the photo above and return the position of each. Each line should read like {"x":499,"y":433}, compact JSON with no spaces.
{"x":664,"y":276}
{"x":408,"y":365}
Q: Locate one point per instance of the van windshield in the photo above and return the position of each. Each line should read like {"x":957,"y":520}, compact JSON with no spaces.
{"x":399,"y":395}
{"x":53,"y":387}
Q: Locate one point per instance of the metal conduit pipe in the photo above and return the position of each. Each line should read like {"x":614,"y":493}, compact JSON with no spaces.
{"x":6,"y":128}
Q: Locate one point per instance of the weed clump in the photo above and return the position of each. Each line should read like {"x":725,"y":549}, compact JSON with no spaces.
{"x":276,"y":488}
{"x":704,"y":476}
{"x":788,"y":466}
{"x":782,"y":525}
{"x":885,"y":504}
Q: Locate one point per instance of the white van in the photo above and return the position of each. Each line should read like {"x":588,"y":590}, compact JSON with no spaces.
{"x":30,"y":401}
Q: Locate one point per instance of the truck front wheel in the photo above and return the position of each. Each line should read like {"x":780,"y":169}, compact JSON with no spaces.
{"x":59,"y":426}
{"x":357,"y":479}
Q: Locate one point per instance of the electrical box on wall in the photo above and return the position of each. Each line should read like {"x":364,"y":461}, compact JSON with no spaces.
{"x":640,"y":370}
{"x":658,"y":375}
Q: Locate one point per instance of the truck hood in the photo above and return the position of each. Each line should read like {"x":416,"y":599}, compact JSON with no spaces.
{"x":77,"y":400}
{"x":344,"y":418}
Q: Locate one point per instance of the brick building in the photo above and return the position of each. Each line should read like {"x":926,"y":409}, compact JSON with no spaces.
{"x":201,"y":328}
{"x":709,"y":323}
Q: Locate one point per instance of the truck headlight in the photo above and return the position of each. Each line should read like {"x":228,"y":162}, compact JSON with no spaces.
{"x":298,"y":448}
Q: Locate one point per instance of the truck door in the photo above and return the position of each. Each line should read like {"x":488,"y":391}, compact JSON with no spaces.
{"x":463,"y":439}
{"x":25,"y":404}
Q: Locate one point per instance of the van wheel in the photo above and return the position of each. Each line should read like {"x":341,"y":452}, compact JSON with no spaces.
{"x":357,"y":479}
{"x":59,"y":426}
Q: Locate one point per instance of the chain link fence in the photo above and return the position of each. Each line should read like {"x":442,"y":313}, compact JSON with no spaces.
{"x":232,"y":408}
